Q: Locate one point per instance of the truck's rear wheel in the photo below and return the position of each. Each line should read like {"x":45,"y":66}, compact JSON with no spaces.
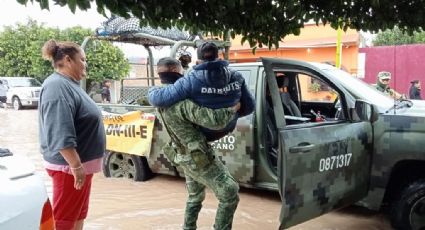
{"x":122,"y":165}
{"x":408,"y":213}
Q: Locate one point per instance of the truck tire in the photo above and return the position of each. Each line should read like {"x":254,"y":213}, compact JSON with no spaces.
{"x":408,"y":213}
{"x":16,"y":103}
{"x":122,"y":165}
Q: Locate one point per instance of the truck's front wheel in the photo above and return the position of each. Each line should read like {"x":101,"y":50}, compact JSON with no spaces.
{"x":122,"y":165}
{"x":16,"y":102}
{"x":408,"y":213}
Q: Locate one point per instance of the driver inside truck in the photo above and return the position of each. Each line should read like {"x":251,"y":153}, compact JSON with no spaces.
{"x":289,"y":105}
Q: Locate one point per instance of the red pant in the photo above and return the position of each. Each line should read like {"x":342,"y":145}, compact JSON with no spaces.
{"x":69,"y":204}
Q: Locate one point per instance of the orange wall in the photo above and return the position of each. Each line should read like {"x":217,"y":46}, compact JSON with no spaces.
{"x":312,"y":31}
{"x":310,"y":34}
{"x":349,"y":55}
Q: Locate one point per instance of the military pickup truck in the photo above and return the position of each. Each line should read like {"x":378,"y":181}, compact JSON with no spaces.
{"x":320,"y":137}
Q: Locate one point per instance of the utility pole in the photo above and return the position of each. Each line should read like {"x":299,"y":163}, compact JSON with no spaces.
{"x":338,"y":56}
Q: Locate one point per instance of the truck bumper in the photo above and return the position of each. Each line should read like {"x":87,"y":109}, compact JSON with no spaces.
{"x":29,"y":102}
{"x":26,"y":102}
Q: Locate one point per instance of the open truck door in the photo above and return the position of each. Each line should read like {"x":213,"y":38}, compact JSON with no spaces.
{"x":322,"y":164}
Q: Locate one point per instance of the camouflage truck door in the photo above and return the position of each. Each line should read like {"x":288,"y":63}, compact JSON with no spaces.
{"x":236,"y":150}
{"x":322,"y":165}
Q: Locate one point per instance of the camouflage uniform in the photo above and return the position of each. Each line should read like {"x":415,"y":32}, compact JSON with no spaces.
{"x":189,"y":149}
{"x":385,"y":88}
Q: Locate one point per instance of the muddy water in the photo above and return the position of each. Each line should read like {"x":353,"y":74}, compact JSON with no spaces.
{"x":118,"y":204}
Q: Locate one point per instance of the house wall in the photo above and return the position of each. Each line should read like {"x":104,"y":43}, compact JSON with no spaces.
{"x":349,"y":55}
{"x":315,"y":43}
{"x":405,"y":62}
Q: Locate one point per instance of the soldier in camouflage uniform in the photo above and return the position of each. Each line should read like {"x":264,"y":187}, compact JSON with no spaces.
{"x":382,"y":84}
{"x":189,"y":149}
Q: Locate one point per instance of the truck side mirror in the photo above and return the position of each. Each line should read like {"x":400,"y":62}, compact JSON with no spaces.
{"x":365,"y":111}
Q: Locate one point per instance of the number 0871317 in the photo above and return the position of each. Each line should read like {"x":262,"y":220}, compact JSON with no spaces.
{"x":335,"y":162}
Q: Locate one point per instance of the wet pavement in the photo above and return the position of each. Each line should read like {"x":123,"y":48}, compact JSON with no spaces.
{"x":118,"y":204}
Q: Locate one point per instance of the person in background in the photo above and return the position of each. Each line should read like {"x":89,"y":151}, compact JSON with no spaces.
{"x":3,"y":90}
{"x":189,"y":149}
{"x":71,"y":133}
{"x":106,"y":92}
{"x":415,"y":90}
{"x":383,"y":84}
{"x":185,"y":59}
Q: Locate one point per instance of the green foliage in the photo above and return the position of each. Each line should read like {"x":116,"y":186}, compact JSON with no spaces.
{"x":106,"y":62}
{"x":398,"y":37}
{"x":19,"y":45}
{"x":20,"y":53}
{"x":260,"y":22}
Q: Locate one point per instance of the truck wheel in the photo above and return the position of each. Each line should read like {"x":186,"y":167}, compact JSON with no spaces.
{"x":122,"y":165}
{"x":16,"y":103}
{"x":105,"y":169}
{"x":408,"y":213}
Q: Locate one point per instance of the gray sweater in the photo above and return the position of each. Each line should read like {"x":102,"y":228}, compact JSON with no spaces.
{"x":68,"y":118}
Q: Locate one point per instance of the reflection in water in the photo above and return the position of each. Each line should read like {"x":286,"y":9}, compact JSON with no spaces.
{"x":158,"y":204}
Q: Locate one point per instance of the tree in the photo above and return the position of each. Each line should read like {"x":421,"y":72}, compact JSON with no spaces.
{"x":260,"y":21}
{"x":398,"y":37}
{"x":106,"y":62}
{"x":19,"y":46}
{"x":20,"y":53}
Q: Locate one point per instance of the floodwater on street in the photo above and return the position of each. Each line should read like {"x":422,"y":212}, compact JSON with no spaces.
{"x":118,"y":204}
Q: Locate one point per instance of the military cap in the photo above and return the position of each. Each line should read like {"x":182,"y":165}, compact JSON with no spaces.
{"x":384,"y":75}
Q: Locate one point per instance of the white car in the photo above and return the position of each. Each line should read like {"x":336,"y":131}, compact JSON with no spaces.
{"x":24,"y":203}
{"x":22,"y":91}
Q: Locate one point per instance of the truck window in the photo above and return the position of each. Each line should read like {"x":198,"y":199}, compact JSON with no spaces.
{"x":306,"y":99}
{"x":315,"y":90}
{"x":246,"y":74}
{"x":318,"y":100}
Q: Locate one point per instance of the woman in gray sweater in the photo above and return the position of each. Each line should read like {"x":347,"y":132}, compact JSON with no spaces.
{"x":72,"y":136}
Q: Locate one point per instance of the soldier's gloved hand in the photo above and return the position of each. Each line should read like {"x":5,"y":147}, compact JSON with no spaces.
{"x":237,"y":107}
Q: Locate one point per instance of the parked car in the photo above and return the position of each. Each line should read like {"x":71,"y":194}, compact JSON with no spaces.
{"x":22,"y":91}
{"x":3,"y":91}
{"x":23,"y":198}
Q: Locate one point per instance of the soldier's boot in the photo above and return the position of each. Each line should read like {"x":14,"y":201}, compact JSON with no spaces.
{"x":196,"y":196}
{"x":228,"y":197}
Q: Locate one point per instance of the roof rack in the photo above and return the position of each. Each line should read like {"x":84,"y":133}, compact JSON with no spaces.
{"x":118,"y":29}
